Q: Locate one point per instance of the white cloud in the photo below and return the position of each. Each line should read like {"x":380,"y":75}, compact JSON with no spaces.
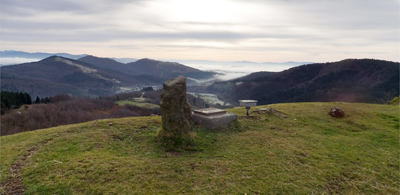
{"x":268,"y":30}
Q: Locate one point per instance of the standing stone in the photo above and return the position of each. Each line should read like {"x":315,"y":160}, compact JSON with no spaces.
{"x":175,"y":110}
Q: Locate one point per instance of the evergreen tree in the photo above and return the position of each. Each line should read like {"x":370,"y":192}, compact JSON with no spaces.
{"x":23,"y":98}
{"x":11,"y":100}
{"x":7,"y":102}
{"x":28,"y":99}
{"x":18,"y":102}
{"x":47,"y":100}
{"x":2,"y":108}
{"x":37,"y":100}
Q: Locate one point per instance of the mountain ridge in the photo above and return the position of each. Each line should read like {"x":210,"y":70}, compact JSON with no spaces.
{"x":352,"y":80}
{"x":57,"y":74}
{"x":161,"y":69}
{"x":91,"y":76}
{"x":108,"y":63}
{"x":42,"y":55}
{"x":147,"y":66}
{"x":36,"y":55}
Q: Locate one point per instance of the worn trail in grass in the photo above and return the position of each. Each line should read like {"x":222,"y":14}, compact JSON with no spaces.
{"x":307,"y":152}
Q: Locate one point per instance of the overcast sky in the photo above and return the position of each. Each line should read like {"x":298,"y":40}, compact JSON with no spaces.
{"x":219,"y":30}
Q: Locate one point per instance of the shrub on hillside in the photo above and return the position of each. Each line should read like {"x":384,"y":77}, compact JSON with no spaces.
{"x":154,"y":97}
{"x":152,"y":94}
{"x":143,"y":111}
{"x":61,"y":98}
{"x":124,"y":96}
{"x":74,"y":110}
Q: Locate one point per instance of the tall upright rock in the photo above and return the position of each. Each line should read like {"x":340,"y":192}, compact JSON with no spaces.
{"x":175,"y":110}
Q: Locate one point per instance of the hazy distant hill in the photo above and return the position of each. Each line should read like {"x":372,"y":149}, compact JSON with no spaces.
{"x":90,"y":76}
{"x":352,"y":80}
{"x":56,"y":74}
{"x":36,"y":55}
{"x":159,"y":68}
{"x":125,"y":60}
{"x":108,"y":63}
{"x":147,"y":66}
{"x":42,"y":55}
{"x":168,"y":69}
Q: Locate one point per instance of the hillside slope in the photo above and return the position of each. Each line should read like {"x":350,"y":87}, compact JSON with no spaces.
{"x":167,"y":69}
{"x":254,"y":75}
{"x":352,"y":80}
{"x":306,"y":152}
{"x":155,"y":68}
{"x":91,"y":76}
{"x":56,"y":75}
{"x":108,"y":63}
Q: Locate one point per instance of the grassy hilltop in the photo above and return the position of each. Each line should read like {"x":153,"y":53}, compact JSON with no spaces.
{"x":308,"y":152}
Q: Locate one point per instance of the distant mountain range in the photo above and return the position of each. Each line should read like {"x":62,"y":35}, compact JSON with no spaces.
{"x":351,"y":80}
{"x":41,"y":55}
{"x":148,"y":67}
{"x":36,"y":55}
{"x":90,"y":76}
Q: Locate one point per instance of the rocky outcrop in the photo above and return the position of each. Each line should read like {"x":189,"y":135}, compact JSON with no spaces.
{"x":336,"y":112}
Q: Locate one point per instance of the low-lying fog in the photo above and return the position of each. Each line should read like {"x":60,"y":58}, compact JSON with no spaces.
{"x":11,"y":61}
{"x":232,"y":70}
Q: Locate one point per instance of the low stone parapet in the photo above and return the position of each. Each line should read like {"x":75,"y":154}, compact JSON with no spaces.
{"x":212,"y":118}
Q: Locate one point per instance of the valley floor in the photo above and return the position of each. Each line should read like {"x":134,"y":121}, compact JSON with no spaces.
{"x":307,"y":152}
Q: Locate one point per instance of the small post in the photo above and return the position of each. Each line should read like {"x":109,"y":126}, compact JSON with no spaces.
{"x":247,"y":104}
{"x":247,"y":111}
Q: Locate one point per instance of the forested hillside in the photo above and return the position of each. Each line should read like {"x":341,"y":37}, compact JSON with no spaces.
{"x":10,"y":100}
{"x":351,"y":80}
{"x":91,"y":76}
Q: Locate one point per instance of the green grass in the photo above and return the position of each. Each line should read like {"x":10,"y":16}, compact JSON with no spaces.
{"x":395,"y":101}
{"x":138,"y":104}
{"x":309,"y":152}
{"x":141,"y":99}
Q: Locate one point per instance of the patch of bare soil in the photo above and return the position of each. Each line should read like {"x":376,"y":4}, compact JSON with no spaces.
{"x":172,"y":153}
{"x":250,"y":117}
{"x":14,"y":185}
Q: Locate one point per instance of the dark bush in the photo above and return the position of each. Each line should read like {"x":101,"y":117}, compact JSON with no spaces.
{"x":61,"y":98}
{"x":153,"y":96}
{"x":124,"y":96}
{"x":61,"y":112}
